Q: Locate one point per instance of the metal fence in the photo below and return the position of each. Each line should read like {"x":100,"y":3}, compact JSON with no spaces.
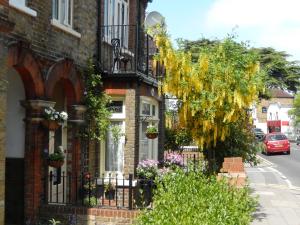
{"x":106,"y":190}
{"x":99,"y":191}
{"x":127,"y":49}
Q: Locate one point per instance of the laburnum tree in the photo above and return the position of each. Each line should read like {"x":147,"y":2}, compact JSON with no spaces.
{"x":214,"y":91}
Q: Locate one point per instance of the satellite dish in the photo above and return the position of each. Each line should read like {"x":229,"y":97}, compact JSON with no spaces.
{"x":153,"y":19}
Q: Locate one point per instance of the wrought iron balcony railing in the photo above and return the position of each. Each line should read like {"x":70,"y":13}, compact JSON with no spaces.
{"x":127,"y":49}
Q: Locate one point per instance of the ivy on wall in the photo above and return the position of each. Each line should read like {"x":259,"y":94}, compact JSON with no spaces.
{"x":97,"y":102}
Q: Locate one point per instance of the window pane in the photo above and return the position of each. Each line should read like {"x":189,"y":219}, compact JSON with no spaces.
{"x":146,"y":109}
{"x":116,"y":107}
{"x":144,"y":148}
{"x":62,"y":11}
{"x":55,"y":9}
{"x":153,"y":110}
{"x":70,"y":8}
{"x":114,"y":151}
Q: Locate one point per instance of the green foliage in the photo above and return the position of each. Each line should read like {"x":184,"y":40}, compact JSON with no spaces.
{"x":176,"y":137}
{"x":116,"y":133}
{"x":96,"y":101}
{"x":193,"y":199}
{"x":90,"y":201}
{"x":281,"y":73}
{"x":58,"y":155}
{"x":54,"y":222}
{"x":295,"y":112}
{"x":241,"y":142}
{"x":151,"y":129}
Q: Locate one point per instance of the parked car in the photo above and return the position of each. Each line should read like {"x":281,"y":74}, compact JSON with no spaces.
{"x":276,"y":142}
{"x":298,"y":140}
{"x":259,"y":134}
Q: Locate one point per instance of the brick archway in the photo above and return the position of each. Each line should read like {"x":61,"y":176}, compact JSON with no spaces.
{"x":21,"y":58}
{"x":65,"y":71}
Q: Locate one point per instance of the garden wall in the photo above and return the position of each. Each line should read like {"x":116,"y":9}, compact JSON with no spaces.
{"x":87,"y":216}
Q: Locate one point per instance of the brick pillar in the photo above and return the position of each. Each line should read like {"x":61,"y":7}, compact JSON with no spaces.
{"x":131,"y":123}
{"x":34,"y":163}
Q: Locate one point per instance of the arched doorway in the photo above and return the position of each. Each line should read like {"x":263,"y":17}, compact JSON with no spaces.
{"x":15,"y":148}
{"x":58,"y":139}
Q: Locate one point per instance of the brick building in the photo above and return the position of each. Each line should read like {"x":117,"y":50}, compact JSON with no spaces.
{"x":272,"y":114}
{"x":44,"y":47}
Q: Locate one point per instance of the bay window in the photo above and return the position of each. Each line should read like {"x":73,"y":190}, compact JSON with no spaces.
{"x":149,"y":116}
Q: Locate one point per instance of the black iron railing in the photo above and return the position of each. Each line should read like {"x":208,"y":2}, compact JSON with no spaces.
{"x":107,"y":191}
{"x":122,"y":192}
{"x":127,"y":49}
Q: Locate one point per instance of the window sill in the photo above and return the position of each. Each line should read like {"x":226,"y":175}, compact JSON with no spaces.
{"x":65,"y":28}
{"x":23,"y":9}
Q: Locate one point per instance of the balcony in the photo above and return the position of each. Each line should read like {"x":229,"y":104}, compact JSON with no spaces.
{"x":127,"y":50}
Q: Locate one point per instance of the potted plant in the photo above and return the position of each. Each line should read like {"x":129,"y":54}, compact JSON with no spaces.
{"x":109,"y":190}
{"x":56,"y":159}
{"x":147,"y":169}
{"x":151,"y":132}
{"x":53,"y":119}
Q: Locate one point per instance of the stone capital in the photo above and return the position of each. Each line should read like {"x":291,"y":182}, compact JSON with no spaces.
{"x":35,"y":108}
{"x":77,"y":115}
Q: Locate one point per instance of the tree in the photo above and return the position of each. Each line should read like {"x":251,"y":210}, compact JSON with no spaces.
{"x":215,"y":91}
{"x":295,"y":112}
{"x":281,"y":73}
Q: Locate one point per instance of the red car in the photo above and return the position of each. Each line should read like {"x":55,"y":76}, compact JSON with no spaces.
{"x":276,"y":142}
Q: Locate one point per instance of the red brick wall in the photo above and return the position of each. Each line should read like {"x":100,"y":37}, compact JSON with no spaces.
{"x":233,"y":170}
{"x":86,"y":216}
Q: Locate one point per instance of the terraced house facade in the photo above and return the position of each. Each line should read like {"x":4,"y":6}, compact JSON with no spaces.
{"x":44,"y":48}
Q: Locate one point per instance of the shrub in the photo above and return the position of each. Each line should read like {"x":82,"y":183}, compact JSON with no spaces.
{"x":240,"y":142}
{"x":194,"y":199}
{"x":90,"y":201}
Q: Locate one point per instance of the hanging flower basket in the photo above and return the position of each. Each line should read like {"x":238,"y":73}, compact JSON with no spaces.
{"x":50,"y":124}
{"x":151,"y":135}
{"x":56,"y":163}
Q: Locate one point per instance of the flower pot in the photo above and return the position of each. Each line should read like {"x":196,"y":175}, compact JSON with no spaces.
{"x":50,"y":124}
{"x":55,"y":163}
{"x":151,"y":135}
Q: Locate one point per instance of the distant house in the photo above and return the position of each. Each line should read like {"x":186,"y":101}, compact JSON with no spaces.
{"x":272,"y":115}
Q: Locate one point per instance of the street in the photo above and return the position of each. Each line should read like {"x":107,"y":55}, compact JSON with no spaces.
{"x":288,"y":165}
{"x":277,"y":183}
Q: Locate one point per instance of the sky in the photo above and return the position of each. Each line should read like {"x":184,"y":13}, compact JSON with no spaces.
{"x":264,"y":23}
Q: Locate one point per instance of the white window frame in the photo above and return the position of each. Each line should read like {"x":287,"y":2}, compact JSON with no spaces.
{"x":113,"y":23}
{"x":118,"y":117}
{"x":63,"y":23}
{"x":21,"y":6}
{"x":68,"y":9}
{"x":150,"y":119}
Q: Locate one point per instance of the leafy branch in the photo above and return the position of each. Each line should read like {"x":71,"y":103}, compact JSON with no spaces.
{"x":96,"y":100}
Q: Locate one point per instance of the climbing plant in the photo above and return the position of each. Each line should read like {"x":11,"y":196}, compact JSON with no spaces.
{"x":97,"y":102}
{"x":215,"y":91}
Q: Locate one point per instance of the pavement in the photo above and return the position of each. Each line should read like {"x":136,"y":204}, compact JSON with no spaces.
{"x":279,"y":199}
